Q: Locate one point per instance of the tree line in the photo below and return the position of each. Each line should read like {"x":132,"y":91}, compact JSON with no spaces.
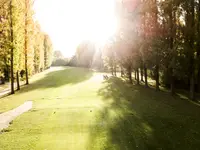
{"x":87,"y":55}
{"x":162,"y":37}
{"x":59,"y":59}
{"x":24,"y":49}
{"x":155,"y":39}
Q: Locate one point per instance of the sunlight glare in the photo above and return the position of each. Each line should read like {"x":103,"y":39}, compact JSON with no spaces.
{"x":70,"y":22}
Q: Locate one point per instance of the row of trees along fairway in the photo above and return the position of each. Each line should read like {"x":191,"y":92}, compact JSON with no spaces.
{"x":24,"y":48}
{"x":159,"y":39}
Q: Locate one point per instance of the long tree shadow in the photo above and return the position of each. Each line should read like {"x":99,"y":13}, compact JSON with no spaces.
{"x":138,"y":118}
{"x":59,"y":78}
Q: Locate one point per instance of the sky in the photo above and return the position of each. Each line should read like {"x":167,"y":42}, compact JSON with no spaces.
{"x":68,"y":22}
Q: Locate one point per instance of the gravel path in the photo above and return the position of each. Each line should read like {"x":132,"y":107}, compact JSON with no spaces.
{"x":7,"y":117}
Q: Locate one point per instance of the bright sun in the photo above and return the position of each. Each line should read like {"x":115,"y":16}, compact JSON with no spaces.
{"x":68,"y":22}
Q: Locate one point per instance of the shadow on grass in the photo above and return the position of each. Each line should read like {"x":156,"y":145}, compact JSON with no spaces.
{"x":59,"y":78}
{"x":135,"y":117}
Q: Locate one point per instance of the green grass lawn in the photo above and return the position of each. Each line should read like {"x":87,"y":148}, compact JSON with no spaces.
{"x":74,"y":109}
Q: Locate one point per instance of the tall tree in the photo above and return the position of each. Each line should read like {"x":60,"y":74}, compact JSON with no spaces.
{"x":11,"y":48}
{"x":48,"y":51}
{"x":85,"y":54}
{"x":198,"y":43}
{"x":5,"y":40}
{"x":26,"y":40}
{"x":20,"y":48}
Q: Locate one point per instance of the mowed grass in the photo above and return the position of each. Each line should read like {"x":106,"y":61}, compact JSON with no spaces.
{"x":74,"y":109}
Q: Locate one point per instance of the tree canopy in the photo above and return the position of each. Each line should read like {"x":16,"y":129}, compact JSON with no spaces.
{"x":23,"y":45}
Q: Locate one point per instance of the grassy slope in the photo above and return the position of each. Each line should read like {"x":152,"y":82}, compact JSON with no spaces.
{"x":74,"y":110}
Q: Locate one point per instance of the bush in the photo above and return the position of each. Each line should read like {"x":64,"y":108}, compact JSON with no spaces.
{"x":2,"y":80}
{"x":22,"y":73}
{"x":59,"y":62}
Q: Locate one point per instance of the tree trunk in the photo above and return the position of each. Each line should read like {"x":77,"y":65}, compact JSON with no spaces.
{"x":6,"y":73}
{"x":112,"y":71}
{"x":145,"y":75}
{"x":192,"y":66}
{"x":18,"y":84}
{"x":192,"y":92}
{"x":142,"y":74}
{"x":172,"y":85}
{"x":135,"y":74}
{"x":157,"y":53}
{"x":171,"y":41}
{"x":12,"y":51}
{"x":122,"y":72}
{"x":130,"y":75}
{"x":198,"y":46}
{"x":138,"y":76}
{"x":26,"y":41}
{"x":198,"y":77}
{"x":115,"y":69}
{"x":157,"y":78}
{"x":6,"y":70}
{"x":143,"y":62}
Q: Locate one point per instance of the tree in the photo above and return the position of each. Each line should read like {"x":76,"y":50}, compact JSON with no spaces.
{"x":85,"y":54}
{"x":11,"y":48}
{"x":198,"y":44}
{"x":38,"y":49}
{"x":4,"y":41}
{"x":21,"y":45}
{"x":48,"y":49}
{"x":58,"y":55}
{"x":59,"y":59}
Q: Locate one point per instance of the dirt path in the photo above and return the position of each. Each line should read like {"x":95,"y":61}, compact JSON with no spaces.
{"x":7,"y":117}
